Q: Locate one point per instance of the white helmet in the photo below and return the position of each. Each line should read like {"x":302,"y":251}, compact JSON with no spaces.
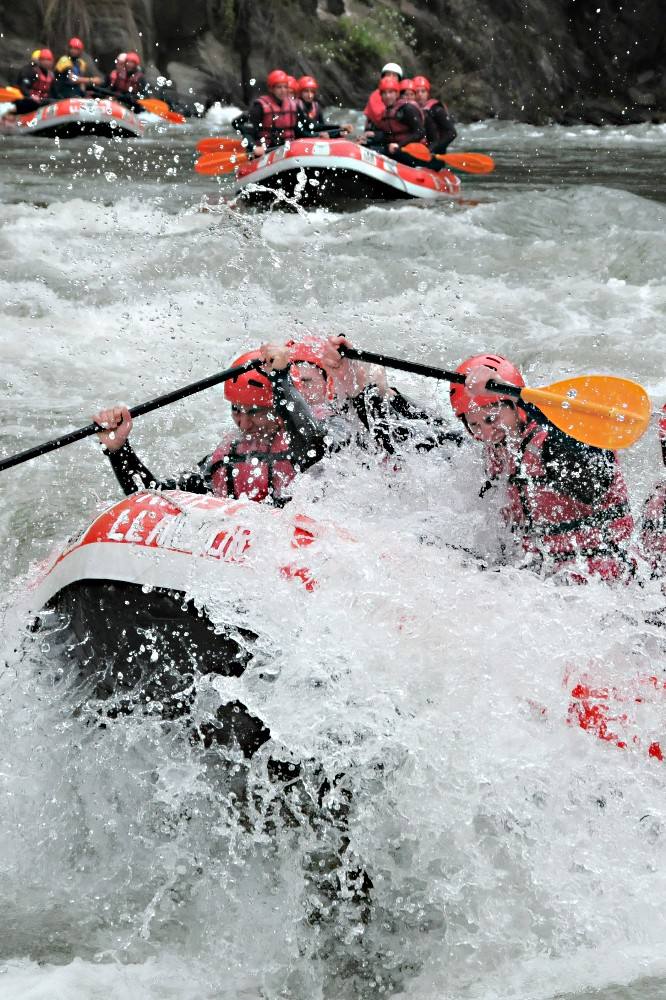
{"x":392,"y":68}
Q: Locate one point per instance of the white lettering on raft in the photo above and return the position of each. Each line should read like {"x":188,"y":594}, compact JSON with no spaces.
{"x":176,"y":532}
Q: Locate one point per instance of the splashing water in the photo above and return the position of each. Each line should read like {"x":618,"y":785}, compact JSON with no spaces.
{"x":415,"y":700}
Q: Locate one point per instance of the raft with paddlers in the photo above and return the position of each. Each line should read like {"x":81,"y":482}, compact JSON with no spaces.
{"x":327,"y":171}
{"x":76,"y":116}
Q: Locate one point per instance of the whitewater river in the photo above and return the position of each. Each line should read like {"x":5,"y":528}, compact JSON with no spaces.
{"x":512,"y":856}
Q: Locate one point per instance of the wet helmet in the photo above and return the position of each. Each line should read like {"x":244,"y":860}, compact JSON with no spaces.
{"x":133,"y":57}
{"x":308,"y":352}
{"x":276,"y":77}
{"x":421,"y":83}
{"x":388,"y":83}
{"x":251,"y":388}
{"x":406,"y":85}
{"x":121,"y":59}
{"x":44,"y":54}
{"x":461,"y":401}
{"x":392,"y":68}
{"x":75,"y":43}
{"x":307,"y":83}
{"x":292,"y":83}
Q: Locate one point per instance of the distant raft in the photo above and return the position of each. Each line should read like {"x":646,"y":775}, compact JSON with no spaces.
{"x":74,"y":117}
{"x":327,"y":172}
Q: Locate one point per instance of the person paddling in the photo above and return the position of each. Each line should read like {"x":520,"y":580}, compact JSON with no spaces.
{"x":374,"y":108}
{"x":440,"y":128}
{"x":72,"y":75}
{"x":35,"y":82}
{"x":566,"y":502}
{"x":310,"y":115}
{"x":272,"y":118}
{"x":400,"y":124}
{"x":278,"y":436}
{"x":127,"y":80}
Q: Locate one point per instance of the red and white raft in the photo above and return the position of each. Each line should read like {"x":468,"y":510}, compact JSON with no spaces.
{"x":326,"y":172}
{"x":76,"y":116}
{"x":118,"y":599}
{"x":171,"y":540}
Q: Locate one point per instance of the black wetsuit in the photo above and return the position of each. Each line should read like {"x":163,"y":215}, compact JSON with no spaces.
{"x":25,"y":82}
{"x":307,"y":446}
{"x":440,"y":128}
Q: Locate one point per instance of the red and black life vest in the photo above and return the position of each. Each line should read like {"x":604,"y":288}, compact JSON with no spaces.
{"x":278,"y":123}
{"x":555,"y":526}
{"x":237,"y":468}
{"x":124,"y":82}
{"x":395,"y":129}
{"x":40,"y":89}
{"x":433,"y":131}
{"x":375,"y":108}
{"x":653,"y":531}
{"x":311,"y":109}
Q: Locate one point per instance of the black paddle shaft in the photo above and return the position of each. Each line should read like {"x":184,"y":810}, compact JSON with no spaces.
{"x":428,"y":370}
{"x":135,"y":411}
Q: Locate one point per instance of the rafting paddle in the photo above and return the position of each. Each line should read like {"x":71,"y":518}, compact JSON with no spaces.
{"x":599,"y":410}
{"x":135,"y":411}
{"x":10,"y":94}
{"x":162,"y":110}
{"x":221,"y":145}
{"x":220,"y":163}
{"x":469,"y":163}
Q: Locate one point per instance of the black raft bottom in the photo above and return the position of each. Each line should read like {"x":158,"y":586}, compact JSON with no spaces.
{"x":70,"y":130}
{"x":322,"y":186}
{"x":144,"y":651}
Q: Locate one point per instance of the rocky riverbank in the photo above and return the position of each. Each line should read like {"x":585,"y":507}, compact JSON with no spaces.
{"x":546,"y":60}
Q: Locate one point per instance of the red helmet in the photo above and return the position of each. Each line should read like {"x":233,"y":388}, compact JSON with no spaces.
{"x":251,"y":388}
{"x":406,"y":85}
{"x":276,"y":77}
{"x":421,"y":83}
{"x":292,"y":83}
{"x":133,"y":57}
{"x":461,"y":401}
{"x":388,"y":83}
{"x":308,"y":352}
{"x":45,"y":54}
{"x":307,"y":83}
{"x":75,"y":43}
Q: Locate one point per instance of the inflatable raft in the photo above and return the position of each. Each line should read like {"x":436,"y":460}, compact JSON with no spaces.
{"x":76,"y":116}
{"x":117,"y":597}
{"x":325,"y":172}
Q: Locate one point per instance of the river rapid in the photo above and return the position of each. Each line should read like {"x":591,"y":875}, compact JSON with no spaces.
{"x":512,"y":856}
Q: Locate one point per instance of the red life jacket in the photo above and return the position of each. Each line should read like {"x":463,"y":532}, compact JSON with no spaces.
{"x":653,"y":531}
{"x":238,"y":468}
{"x":374,"y":109}
{"x":394,"y":129}
{"x":313,"y":112}
{"x":279,"y":120}
{"x":41,"y":87}
{"x":555,"y":526}
{"x":124,"y":82}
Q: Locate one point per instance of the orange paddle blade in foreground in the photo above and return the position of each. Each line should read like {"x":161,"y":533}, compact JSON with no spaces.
{"x":600,"y":410}
{"x":469,"y":163}
{"x":219,"y":163}
{"x":221,"y":145}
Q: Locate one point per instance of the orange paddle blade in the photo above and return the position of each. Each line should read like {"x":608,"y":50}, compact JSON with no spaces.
{"x":219,"y":163}
{"x":10,"y":94}
{"x":470,"y":163}
{"x":221,"y":145}
{"x":600,"y":410}
{"x":418,"y":150}
{"x":162,"y":109}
